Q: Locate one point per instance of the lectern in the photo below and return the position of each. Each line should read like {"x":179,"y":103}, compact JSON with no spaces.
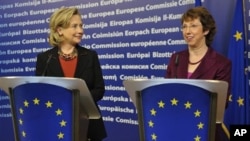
{"x":49,"y":108}
{"x":177,"y":109}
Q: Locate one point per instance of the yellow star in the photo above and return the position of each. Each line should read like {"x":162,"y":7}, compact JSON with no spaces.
{"x":188,"y":105}
{"x":48,"y":104}
{"x":200,"y":125}
{"x":60,"y":135}
{"x":197,"y":113}
{"x":153,"y":112}
{"x":161,"y":104}
{"x":58,"y":112}
{"x":238,"y":35}
{"x":23,"y":134}
{"x":150,"y":123}
{"x":240,"y":101}
{"x":63,"y":123}
{"x":26,"y":103}
{"x":20,"y":110}
{"x":20,"y":121}
{"x":197,"y":138}
{"x":174,"y":101}
{"x":230,"y":98}
{"x":154,"y":137}
{"x":36,"y":101}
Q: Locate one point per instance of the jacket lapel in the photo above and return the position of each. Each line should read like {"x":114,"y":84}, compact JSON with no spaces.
{"x":55,"y":63}
{"x":81,"y":61}
{"x":182,"y":64}
{"x":208,"y":62}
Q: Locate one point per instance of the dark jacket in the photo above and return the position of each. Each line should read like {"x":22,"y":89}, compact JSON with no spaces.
{"x":88,"y":68}
{"x":213,"y":66}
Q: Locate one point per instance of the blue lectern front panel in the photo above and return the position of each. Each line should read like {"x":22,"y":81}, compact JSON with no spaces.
{"x":43,"y":112}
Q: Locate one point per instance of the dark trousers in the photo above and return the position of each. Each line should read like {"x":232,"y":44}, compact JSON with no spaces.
{"x":220,"y":134}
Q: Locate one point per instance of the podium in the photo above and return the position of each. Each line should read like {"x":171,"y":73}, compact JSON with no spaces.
{"x":49,"y":108}
{"x":177,"y":109}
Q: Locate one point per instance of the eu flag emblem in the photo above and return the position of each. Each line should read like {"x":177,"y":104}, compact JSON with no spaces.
{"x":177,"y":112}
{"x":42,"y":112}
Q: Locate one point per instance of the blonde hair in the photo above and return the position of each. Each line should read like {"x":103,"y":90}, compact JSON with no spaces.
{"x":60,"y":18}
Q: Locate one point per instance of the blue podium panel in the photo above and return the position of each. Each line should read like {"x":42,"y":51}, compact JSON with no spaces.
{"x":42,"y":112}
{"x":176,"y":112}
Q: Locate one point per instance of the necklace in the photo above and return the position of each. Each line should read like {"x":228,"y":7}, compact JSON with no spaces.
{"x":194,"y":63}
{"x":68,"y":57}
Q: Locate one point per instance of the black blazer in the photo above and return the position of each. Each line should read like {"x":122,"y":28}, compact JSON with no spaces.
{"x":88,"y":68}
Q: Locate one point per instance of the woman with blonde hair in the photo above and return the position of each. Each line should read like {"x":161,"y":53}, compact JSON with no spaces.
{"x":67,"y":58}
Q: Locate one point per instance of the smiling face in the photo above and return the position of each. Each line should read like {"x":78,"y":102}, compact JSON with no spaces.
{"x":193,"y":33}
{"x":201,"y":23}
{"x":72,"y":34}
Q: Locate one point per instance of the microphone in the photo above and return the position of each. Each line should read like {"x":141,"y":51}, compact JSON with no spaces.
{"x":47,"y":63}
{"x":176,"y":64}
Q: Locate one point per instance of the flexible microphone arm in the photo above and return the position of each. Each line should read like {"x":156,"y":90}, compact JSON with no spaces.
{"x":176,"y":64}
